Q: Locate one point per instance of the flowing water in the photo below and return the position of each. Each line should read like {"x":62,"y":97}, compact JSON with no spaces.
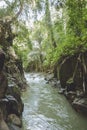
{"x":45,"y":109}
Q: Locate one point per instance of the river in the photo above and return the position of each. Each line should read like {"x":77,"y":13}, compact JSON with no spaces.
{"x":45,"y":109}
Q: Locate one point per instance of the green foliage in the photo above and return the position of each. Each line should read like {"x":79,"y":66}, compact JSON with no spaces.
{"x":70,"y":46}
{"x":76,"y":10}
{"x":74,"y":39}
{"x":49,"y":37}
{"x":22,"y":54}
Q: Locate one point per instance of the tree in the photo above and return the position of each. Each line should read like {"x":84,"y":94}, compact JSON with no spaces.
{"x":77,"y":16}
{"x":49,"y":24}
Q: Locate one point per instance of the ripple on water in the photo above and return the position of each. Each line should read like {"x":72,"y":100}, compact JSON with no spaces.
{"x":45,"y":109}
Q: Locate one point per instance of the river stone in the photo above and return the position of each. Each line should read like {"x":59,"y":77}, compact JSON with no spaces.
{"x":14,"y":119}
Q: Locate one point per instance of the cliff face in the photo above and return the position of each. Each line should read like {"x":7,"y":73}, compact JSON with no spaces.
{"x":73,"y":79}
{"x":12,"y":81}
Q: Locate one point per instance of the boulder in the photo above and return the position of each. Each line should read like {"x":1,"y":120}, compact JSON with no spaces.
{"x":11,"y":81}
{"x":9,"y":105}
{"x":14,"y":127}
{"x":71,"y":72}
{"x":14,"y":69}
{"x":70,"y":95}
{"x":3,"y":125}
{"x":12,"y":105}
{"x":3,"y":84}
{"x":73,"y":79}
{"x":3,"y":78}
{"x":15,"y":92}
{"x":66,"y":69}
{"x":2,"y":59}
{"x":14,"y":119}
{"x":80,"y":104}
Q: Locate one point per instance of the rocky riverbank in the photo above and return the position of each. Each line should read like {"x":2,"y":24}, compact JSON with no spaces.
{"x":72,"y":80}
{"x":12,"y":81}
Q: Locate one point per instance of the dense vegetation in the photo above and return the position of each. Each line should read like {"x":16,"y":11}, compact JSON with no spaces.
{"x":46,"y":30}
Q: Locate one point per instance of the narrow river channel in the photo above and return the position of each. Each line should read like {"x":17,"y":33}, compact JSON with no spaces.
{"x":45,"y":109}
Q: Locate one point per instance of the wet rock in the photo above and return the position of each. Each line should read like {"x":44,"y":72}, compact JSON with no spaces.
{"x":18,"y":63}
{"x":66,"y":69}
{"x":15,"y":92}
{"x":3,"y":84}
{"x":3,"y":78}
{"x":10,"y":104}
{"x":12,"y":80}
{"x":2,"y":59}
{"x":70,"y":95}
{"x":49,"y":77}
{"x":14,"y":127}
{"x":14,"y":119}
{"x":13,"y":107}
{"x":73,"y":79}
{"x":14,"y":69}
{"x":3,"y":125}
{"x":80,"y":104}
{"x":62,"y":90}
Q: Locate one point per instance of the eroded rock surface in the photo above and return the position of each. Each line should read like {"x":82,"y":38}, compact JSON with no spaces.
{"x":73,"y":79}
{"x":12,"y":81}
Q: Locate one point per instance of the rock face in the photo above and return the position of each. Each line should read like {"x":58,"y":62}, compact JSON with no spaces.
{"x":13,"y":68}
{"x":11,"y":82}
{"x":3,"y":79}
{"x":73,"y":79}
{"x":80,"y":104}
